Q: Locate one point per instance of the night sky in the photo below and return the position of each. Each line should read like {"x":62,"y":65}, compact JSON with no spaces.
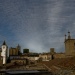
{"x":36,"y":24}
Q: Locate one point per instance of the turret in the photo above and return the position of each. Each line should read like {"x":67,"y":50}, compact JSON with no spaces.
{"x":19,"y":49}
{"x":69,"y":37}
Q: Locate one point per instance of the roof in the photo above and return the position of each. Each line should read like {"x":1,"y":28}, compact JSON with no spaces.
{"x":69,"y":39}
{"x":33,"y":55}
{"x":4,"y":43}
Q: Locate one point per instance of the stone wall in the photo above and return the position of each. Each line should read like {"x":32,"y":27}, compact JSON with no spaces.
{"x":59,"y":55}
{"x":70,"y":47}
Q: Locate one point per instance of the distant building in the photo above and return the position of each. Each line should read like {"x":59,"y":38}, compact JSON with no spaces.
{"x":14,"y":51}
{"x":69,"y":45}
{"x":4,"y":53}
{"x":44,"y":56}
{"x":33,"y":56}
{"x":52,"y":51}
{"x":20,"y":61}
{"x":19,"y":49}
{"x":59,"y":55}
{"x":25,"y":50}
{"x":16,"y":55}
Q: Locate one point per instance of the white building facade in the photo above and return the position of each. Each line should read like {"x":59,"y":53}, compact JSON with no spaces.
{"x":4,"y":53}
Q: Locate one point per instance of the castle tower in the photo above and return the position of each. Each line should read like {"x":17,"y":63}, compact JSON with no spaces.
{"x":4,"y":52}
{"x":69,"y":37}
{"x":19,"y":49}
{"x":69,"y":45}
{"x":15,"y":51}
{"x":52,"y":51}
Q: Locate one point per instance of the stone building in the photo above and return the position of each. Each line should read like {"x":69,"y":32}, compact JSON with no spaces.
{"x":19,"y":61}
{"x":59,"y":55}
{"x":52,"y":51}
{"x":14,"y":51}
{"x":33,"y":56}
{"x":69,"y":50}
{"x":44,"y":56}
{"x":69,"y":45}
